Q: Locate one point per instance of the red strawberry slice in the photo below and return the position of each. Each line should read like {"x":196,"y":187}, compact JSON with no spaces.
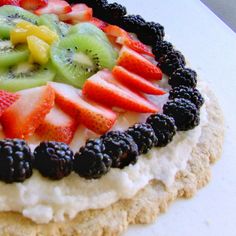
{"x":80,"y":12}
{"x":57,"y":7}
{"x":138,"y":64}
{"x":122,"y":37}
{"x":33,"y":4}
{"x":6,"y":100}
{"x":22,"y":118}
{"x":99,"y":23}
{"x":57,"y":126}
{"x":92,"y":115}
{"x":134,"y":81}
{"x":103,"y":88}
{"x":9,"y":2}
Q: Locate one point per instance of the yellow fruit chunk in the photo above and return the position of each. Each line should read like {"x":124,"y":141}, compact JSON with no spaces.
{"x":39,"y":49}
{"x":18,"y":35}
{"x":24,"y":25}
{"x":43,"y":33}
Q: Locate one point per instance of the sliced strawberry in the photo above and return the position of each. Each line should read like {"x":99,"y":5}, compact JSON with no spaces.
{"x":57,"y":7}
{"x":99,"y":23}
{"x":33,"y":4}
{"x":22,"y":118}
{"x":6,"y":100}
{"x":57,"y":126}
{"x":138,"y":64}
{"x":134,"y":81}
{"x":103,"y":88}
{"x":80,"y":12}
{"x":94,"y":116}
{"x":122,"y":37}
{"x":9,"y":2}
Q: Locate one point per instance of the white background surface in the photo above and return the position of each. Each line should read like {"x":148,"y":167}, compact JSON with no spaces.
{"x":210,"y":46}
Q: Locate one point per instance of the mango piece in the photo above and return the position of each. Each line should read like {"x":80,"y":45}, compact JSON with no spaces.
{"x":24,"y":25}
{"x":39,"y":49}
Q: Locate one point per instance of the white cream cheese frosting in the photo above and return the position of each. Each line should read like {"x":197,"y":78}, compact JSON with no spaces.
{"x":44,"y":200}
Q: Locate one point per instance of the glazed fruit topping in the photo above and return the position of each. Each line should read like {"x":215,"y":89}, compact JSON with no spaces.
{"x":33,"y":4}
{"x":103,"y":88}
{"x":138,"y":64}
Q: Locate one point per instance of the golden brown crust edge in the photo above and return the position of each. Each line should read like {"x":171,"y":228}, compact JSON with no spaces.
{"x":146,"y":205}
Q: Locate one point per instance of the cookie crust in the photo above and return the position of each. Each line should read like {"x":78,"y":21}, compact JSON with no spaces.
{"x":147,"y":204}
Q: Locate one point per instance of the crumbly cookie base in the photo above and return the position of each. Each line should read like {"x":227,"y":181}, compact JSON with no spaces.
{"x":148,"y":203}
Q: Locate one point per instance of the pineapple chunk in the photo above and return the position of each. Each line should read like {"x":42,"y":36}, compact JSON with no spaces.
{"x":24,"y":29}
{"x":18,"y":35}
{"x":39,"y":49}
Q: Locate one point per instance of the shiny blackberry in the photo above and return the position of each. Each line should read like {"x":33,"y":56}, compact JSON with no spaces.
{"x":53,"y":159}
{"x":164,"y":128}
{"x":131,"y":23}
{"x":113,"y":12}
{"x":183,"y":76}
{"x":161,"y":48}
{"x":184,"y":112}
{"x":16,"y":160}
{"x":151,"y":32}
{"x":144,"y":136}
{"x":91,"y":162}
{"x":121,"y":147}
{"x":191,"y":94}
{"x":171,"y":61}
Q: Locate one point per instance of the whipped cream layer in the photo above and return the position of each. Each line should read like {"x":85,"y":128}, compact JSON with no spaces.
{"x":43,"y":200}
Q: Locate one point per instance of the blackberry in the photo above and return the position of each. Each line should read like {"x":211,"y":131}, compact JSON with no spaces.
{"x":161,"y":48}
{"x":121,"y":148}
{"x":54,"y":159}
{"x":113,"y":12}
{"x":184,"y":112}
{"x":91,"y":162}
{"x":131,"y":23}
{"x":191,"y":94}
{"x":15,"y":160}
{"x":164,"y":128}
{"x":171,"y":61}
{"x":151,"y":32}
{"x":98,"y":6}
{"x":183,"y":76}
{"x":144,"y":136}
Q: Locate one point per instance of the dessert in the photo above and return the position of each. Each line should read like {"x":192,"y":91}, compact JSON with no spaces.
{"x":92,"y":130}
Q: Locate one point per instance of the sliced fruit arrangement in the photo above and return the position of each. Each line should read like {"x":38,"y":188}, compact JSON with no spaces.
{"x":121,"y":37}
{"x":94,"y":116}
{"x":10,"y":16}
{"x":21,"y":119}
{"x":103,"y":88}
{"x":32,"y":4}
{"x":134,"y":81}
{"x":138,"y":64}
{"x":79,"y":56}
{"x":57,"y":126}
{"x":79,"y":13}
{"x":6,"y":100}
{"x":25,"y":75}
{"x":55,"y":7}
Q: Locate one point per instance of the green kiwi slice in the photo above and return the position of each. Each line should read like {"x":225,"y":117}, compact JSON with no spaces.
{"x":10,"y":55}
{"x":10,"y":16}
{"x":79,"y":56}
{"x":53,"y":23}
{"x":87,"y":28}
{"x":25,"y":75}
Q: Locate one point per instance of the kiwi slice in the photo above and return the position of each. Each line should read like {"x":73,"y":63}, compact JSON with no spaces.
{"x":79,"y":56}
{"x":87,"y":28}
{"x":25,"y":75}
{"x":53,"y":23}
{"x":10,"y":55}
{"x":10,"y":16}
